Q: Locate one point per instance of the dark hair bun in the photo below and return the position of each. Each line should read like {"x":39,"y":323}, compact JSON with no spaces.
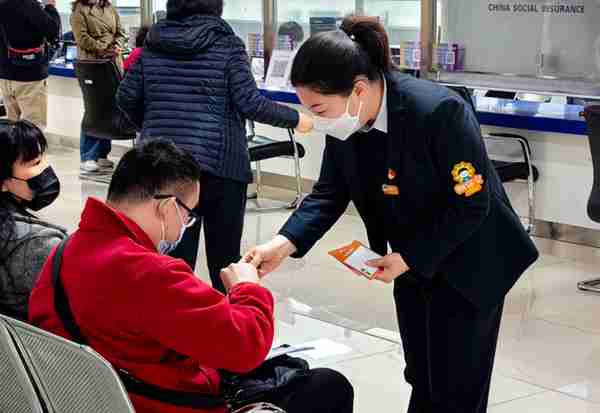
{"x":371,"y":36}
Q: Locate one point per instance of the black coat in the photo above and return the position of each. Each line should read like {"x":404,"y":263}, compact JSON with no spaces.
{"x":26,"y":25}
{"x":477,"y":243}
{"x":193,"y":85}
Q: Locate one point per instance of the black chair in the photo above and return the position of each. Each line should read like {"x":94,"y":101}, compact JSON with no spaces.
{"x":511,"y":171}
{"x":592,"y":117}
{"x":262,"y":148}
{"x":99,"y":81}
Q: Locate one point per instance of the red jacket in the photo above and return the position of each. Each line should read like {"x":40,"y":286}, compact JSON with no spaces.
{"x":149,"y":314}
{"x":132,"y":58}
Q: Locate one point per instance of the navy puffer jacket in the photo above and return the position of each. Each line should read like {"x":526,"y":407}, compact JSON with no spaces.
{"x":193,"y":85}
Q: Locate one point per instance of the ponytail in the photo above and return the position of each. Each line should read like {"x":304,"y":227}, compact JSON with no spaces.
{"x":330,"y":62}
{"x":370,"y":35}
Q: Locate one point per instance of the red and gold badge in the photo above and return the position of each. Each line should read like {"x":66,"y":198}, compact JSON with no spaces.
{"x":468,"y":182}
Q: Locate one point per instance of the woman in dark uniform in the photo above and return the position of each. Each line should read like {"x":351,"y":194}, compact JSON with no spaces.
{"x":410,"y":155}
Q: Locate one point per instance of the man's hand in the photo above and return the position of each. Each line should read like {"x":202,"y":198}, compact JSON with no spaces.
{"x":239,"y":273}
{"x":269,"y":256}
{"x":390,"y":267}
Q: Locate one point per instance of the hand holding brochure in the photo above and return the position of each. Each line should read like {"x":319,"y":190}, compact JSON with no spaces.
{"x":355,"y":256}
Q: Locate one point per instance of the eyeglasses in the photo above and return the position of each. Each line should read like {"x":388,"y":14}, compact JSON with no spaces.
{"x":192,"y":217}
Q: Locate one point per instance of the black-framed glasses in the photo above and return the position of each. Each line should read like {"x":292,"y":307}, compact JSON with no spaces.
{"x":192,"y":217}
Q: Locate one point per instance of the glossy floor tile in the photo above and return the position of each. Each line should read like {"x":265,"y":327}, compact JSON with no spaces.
{"x":549,"y":348}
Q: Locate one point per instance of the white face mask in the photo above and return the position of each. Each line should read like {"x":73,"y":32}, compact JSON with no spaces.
{"x":341,"y":128}
{"x":164,"y":246}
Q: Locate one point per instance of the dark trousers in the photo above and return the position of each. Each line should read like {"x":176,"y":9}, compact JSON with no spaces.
{"x":324,"y":391}
{"x":449,"y":346}
{"x":221,"y":210}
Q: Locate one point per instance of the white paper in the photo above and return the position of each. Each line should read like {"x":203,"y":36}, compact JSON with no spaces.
{"x":325,"y":348}
{"x":358,"y":261}
{"x":287,"y":349}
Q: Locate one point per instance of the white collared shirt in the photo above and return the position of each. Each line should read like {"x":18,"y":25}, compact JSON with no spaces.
{"x":381,"y":122}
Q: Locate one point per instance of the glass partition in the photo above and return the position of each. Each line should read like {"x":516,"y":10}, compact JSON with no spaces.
{"x":244,"y":16}
{"x":537,"y":39}
{"x":401,"y":18}
{"x":299,"y":19}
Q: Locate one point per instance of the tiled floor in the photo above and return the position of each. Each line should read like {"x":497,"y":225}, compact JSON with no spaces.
{"x":549,"y":350}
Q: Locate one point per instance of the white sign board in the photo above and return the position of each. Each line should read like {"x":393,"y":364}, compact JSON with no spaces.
{"x":280,"y":68}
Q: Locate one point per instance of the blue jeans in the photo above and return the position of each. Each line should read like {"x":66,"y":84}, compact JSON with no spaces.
{"x":92,"y":149}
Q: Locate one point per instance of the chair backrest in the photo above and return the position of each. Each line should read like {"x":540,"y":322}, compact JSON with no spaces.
{"x":17,"y":393}
{"x":99,"y":82}
{"x":592,"y":117}
{"x":71,"y":378}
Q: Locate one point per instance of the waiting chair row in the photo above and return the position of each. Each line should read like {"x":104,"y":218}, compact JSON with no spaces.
{"x":44,"y":373}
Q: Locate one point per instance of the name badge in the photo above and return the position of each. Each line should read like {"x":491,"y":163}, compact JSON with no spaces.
{"x":390,"y":190}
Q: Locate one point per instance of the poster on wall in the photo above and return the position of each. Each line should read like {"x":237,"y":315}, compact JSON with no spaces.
{"x":280,"y":68}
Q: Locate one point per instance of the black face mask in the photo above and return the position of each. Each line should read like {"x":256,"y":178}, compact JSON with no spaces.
{"x":45,"y":187}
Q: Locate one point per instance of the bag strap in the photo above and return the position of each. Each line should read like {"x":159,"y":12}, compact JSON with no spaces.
{"x":61,"y":302}
{"x":133,"y":385}
{"x":30,"y":50}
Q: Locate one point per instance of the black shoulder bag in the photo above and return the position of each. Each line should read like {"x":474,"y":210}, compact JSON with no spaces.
{"x":271,"y":379}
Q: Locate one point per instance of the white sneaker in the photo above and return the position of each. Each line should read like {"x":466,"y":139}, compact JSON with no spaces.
{"x":90,"y":166}
{"x":106,"y":163}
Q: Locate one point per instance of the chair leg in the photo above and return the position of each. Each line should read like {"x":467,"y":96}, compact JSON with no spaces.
{"x":502,"y":137}
{"x":530,"y":187}
{"x":298,"y":171}
{"x":258,"y":180}
{"x":531,"y":225}
{"x":590,"y":285}
{"x":298,"y":176}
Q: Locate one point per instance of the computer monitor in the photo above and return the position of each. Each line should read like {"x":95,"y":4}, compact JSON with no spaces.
{"x":71,"y":54}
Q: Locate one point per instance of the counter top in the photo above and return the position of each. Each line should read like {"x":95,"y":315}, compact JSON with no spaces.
{"x":543,"y":85}
{"x":546,"y":117}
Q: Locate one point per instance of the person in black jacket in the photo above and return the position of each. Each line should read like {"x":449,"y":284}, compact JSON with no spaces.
{"x":193,"y":85}
{"x":26,"y":31}
{"x":410,"y":155}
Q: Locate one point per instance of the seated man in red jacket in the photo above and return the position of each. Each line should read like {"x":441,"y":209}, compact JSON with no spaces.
{"x":146,"y":312}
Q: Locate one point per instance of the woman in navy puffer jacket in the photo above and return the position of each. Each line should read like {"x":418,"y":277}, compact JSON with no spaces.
{"x":193,"y":85}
